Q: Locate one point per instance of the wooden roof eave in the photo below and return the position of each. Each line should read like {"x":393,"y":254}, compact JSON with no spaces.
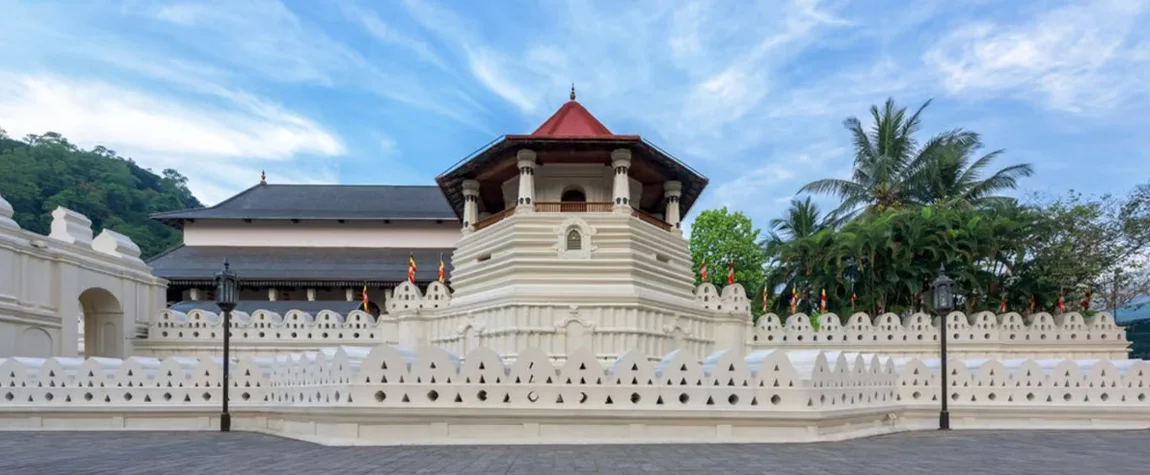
{"x":451,"y":181}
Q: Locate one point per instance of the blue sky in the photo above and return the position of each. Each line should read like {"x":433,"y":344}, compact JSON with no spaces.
{"x":752,"y":94}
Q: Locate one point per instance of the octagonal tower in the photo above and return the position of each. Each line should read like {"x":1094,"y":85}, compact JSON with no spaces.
{"x":572,"y":238}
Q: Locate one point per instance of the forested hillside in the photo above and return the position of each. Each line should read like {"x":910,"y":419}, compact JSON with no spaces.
{"x":39,"y":173}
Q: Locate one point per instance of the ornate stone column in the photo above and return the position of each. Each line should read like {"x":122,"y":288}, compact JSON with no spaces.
{"x":621,"y":164}
{"x":672,"y":190}
{"x":470,"y":204}
{"x":349,"y":294}
{"x":271,"y":295}
{"x":526,"y":181}
{"x":311,"y":294}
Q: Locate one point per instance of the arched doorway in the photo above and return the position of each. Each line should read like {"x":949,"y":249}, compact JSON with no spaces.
{"x":573,"y":200}
{"x":573,"y":195}
{"x":103,"y":320}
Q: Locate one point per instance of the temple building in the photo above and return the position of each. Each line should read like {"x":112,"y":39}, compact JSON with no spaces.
{"x":572,"y":238}
{"x":319,"y":243}
{"x":566,"y":237}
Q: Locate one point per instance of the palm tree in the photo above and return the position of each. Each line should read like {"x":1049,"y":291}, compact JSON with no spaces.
{"x":801,"y":220}
{"x":786,"y":256}
{"x":952,"y":177}
{"x":888,"y":162}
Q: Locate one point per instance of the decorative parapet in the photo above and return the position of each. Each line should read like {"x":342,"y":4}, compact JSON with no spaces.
{"x":982,"y":333}
{"x":199,"y":327}
{"x":117,"y":245}
{"x":438,"y":296}
{"x":802,"y":395}
{"x":707,"y":297}
{"x":272,"y":331}
{"x":387,"y":376}
{"x":71,"y":227}
{"x":732,"y":300}
{"x":1028,"y":382}
{"x":6,"y":213}
{"x":735,"y":301}
{"x":406,"y":298}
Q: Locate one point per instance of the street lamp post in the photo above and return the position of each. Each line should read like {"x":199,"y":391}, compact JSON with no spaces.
{"x":227,"y":291}
{"x":942,"y":291}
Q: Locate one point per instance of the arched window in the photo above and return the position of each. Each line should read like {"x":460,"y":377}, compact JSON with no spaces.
{"x":574,"y":195}
{"x":574,"y":240}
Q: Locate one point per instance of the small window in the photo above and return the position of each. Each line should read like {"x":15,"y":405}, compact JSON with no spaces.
{"x":574,"y":240}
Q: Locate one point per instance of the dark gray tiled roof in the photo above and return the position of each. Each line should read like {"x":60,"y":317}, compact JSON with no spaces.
{"x":281,"y":307}
{"x":299,"y":263}
{"x":351,"y":202}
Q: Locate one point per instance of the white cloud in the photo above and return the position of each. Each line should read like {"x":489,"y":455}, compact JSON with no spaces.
{"x":490,"y":72}
{"x":259,"y":35}
{"x":209,"y":145}
{"x":388,"y":34}
{"x":1078,"y":57}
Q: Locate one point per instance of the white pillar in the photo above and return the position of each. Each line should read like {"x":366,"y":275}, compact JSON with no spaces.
{"x":349,"y":294}
{"x":526,"y":180}
{"x":470,"y":204}
{"x":310,"y":294}
{"x":621,"y":164}
{"x":194,"y":294}
{"x":672,"y":190}
{"x":271,"y":294}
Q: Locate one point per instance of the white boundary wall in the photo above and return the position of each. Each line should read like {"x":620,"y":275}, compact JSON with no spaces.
{"x":386,"y":396}
{"x":980,"y":335}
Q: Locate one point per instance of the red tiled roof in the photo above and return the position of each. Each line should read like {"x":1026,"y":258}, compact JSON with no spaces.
{"x":572,"y":120}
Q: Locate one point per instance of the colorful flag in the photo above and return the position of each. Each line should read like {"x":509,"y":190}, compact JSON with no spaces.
{"x":1086,"y":301}
{"x":703,"y":270}
{"x":1031,"y":304}
{"x":411,"y":268}
{"x":764,"y":297}
{"x":823,"y":301}
{"x":854,"y":298}
{"x":731,"y":273}
{"x":1002,"y":306}
{"x":364,"y":296}
{"x":441,"y":268}
{"x":1061,"y":303}
{"x":794,"y":299}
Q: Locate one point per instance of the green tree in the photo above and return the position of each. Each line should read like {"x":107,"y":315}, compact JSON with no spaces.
{"x":892,"y":170}
{"x":1089,"y":243}
{"x":954,"y":175}
{"x":722,"y":237}
{"x":45,"y":171}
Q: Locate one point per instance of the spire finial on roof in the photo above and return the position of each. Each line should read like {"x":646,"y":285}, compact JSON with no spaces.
{"x":263,"y":178}
{"x":572,"y":91}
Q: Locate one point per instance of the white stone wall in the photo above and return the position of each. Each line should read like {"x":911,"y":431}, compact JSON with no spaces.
{"x":387,"y":395}
{"x":980,"y":335}
{"x":415,"y":319}
{"x":629,"y":285}
{"x":46,"y":282}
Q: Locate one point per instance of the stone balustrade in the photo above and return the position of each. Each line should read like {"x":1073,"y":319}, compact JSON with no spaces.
{"x":979,"y":335}
{"x":390,"y":395}
{"x":199,"y":332}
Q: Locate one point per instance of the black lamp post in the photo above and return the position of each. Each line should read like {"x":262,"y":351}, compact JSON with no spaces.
{"x":227,"y":293}
{"x":942,"y":291}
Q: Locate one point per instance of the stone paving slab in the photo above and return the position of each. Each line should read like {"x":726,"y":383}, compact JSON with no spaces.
{"x":935,"y":453}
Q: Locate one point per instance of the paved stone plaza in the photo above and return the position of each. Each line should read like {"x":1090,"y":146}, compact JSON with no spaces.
{"x":1007,"y":453}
